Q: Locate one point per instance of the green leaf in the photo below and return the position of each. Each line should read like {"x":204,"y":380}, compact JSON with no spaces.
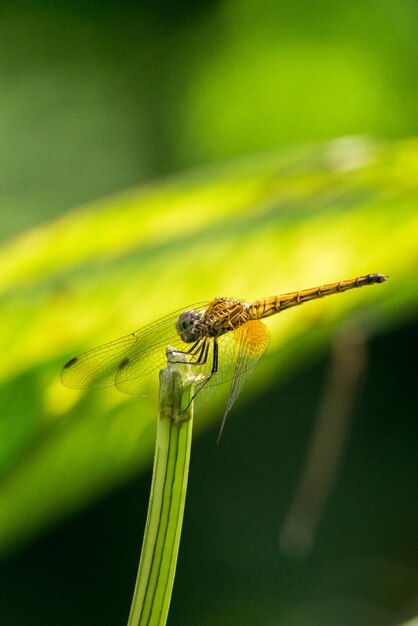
{"x":265,"y":225}
{"x":412,"y":622}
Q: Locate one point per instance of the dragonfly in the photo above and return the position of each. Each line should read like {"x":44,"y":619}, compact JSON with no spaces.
{"x":223,"y":340}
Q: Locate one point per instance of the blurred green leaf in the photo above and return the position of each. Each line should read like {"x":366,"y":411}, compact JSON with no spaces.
{"x":266,"y":225}
{"x":412,"y":622}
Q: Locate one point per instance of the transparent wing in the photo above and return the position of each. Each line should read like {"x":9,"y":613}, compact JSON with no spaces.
{"x":239,"y":352}
{"x":126,"y":361}
{"x":253,"y":338}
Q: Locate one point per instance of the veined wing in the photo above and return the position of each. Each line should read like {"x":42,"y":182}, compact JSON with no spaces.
{"x":239,"y":352}
{"x":125,"y":361}
{"x":252,"y":340}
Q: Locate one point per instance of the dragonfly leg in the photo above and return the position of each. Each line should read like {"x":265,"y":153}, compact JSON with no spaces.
{"x":192,"y":350}
{"x":199,"y":349}
{"x":215,"y":358}
{"x":204,"y":353}
{"x":214,"y":364}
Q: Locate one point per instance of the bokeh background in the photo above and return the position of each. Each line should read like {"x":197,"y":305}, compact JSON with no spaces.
{"x":273,"y":147}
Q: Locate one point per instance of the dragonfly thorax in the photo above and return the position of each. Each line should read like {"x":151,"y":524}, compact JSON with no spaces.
{"x":188,"y":326}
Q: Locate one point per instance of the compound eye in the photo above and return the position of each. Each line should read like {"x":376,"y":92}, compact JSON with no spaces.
{"x":184,"y":321}
{"x":186,"y":327}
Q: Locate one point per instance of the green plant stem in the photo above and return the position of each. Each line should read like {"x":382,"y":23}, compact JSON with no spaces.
{"x":154,"y":583}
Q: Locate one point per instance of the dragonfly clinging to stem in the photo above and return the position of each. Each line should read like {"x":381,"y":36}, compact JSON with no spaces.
{"x":222,"y":338}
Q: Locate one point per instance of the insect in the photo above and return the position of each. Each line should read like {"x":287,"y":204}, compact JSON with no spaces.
{"x":223,"y":340}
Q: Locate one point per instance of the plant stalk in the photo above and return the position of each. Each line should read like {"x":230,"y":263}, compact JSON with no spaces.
{"x":155,"y":578}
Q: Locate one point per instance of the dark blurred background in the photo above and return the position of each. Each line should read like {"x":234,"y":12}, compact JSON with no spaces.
{"x":98,"y":96}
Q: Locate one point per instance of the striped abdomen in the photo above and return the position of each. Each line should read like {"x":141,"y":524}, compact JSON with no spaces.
{"x":269,"y":306}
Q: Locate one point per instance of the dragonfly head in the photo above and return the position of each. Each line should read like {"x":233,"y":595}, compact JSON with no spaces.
{"x":187,"y":326}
